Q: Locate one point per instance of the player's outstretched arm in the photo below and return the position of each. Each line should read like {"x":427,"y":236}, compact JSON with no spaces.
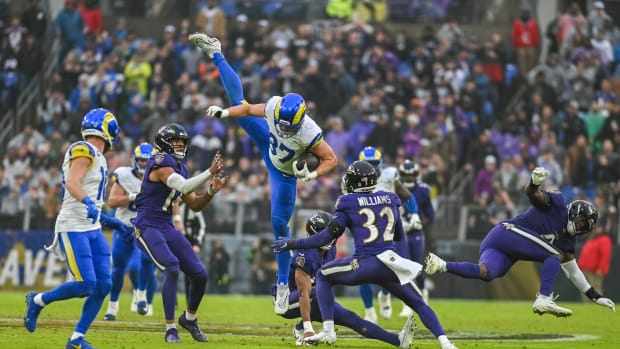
{"x":198,"y":202}
{"x":538,"y":198}
{"x":575,"y":275}
{"x":238,"y":111}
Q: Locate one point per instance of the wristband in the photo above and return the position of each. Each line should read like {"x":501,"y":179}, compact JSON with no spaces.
{"x":224,"y":114}
{"x":176,"y":218}
{"x":592,"y":294}
{"x":132,"y":196}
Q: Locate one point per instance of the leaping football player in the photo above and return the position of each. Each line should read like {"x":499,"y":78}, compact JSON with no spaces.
{"x":283,"y":131}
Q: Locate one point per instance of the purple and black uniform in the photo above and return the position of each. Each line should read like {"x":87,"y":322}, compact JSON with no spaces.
{"x":311,"y":261}
{"x":161,"y":241}
{"x":415,"y":238}
{"x":538,"y":234}
{"x":374,"y":222}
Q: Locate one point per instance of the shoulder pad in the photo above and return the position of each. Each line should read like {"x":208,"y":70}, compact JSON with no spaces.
{"x":163,"y":160}
{"x":81,"y":150}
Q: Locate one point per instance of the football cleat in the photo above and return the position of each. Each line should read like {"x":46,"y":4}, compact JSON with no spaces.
{"x":385,"y":304}
{"x":207,"y":44}
{"x":434,"y":264}
{"x":79,"y":343}
{"x":322,"y":337}
{"x":546,"y":305}
{"x":133,"y":306}
{"x":406,"y":312}
{"x":32,"y":312}
{"x":142,"y":307}
{"x":370,"y":315}
{"x":172,"y":336}
{"x":299,"y":336}
{"x":192,"y":327}
{"x":448,"y":346}
{"x":406,"y":334}
{"x":109,"y":317}
{"x":281,"y":302}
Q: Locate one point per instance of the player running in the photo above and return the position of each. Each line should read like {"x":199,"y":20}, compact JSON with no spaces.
{"x":545,"y":233}
{"x":282,"y":131}
{"x":126,"y":186}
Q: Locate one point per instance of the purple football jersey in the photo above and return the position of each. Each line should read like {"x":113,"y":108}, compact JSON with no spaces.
{"x":154,"y":202}
{"x":310,"y":261}
{"x":373,"y":220}
{"x":548,"y":223}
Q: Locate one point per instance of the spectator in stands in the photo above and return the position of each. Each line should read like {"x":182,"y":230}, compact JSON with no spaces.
{"x":93,"y":20}
{"x":597,"y":18}
{"x":138,"y":71}
{"x":69,"y":27}
{"x":484,"y":191}
{"x":34,"y":19}
{"x":212,"y":20}
{"x":526,"y":41}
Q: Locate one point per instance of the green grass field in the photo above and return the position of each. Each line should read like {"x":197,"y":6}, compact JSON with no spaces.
{"x":248,"y":322}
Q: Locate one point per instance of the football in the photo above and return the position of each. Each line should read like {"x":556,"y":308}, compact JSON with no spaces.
{"x":310,"y":159}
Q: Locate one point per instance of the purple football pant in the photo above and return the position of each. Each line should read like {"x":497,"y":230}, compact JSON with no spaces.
{"x":369,"y":270}
{"x":171,"y":252}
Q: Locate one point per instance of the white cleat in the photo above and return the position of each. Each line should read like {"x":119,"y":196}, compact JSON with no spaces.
{"x":281,"y":302}
{"x":206,"y":43}
{"x":385,"y":304}
{"x":406,"y":334}
{"x":322,"y":337}
{"x":370,"y":315}
{"x":434,"y":264}
{"x":546,"y":305}
{"x":133,"y":306}
{"x":299,"y":336}
{"x":406,"y":312}
{"x":149,"y":312}
{"x":448,"y":346}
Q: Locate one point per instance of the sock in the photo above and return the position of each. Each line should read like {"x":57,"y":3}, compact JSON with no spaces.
{"x":549,"y":272}
{"x":38,"y":299}
{"x":284,"y":266}
{"x":366,"y":293}
{"x":76,"y":335}
{"x":328,"y":326}
{"x":112,"y":307}
{"x":443,"y":339}
{"x":141,"y":295}
{"x":464,"y":269}
{"x":169,"y":326}
{"x":189,"y":316}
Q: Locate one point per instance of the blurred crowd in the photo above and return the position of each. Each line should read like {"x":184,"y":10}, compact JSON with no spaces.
{"x":444,"y":98}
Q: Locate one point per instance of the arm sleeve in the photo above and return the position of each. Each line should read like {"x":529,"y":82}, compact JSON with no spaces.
{"x":187,"y":186}
{"x":411,"y":205}
{"x":333,"y":231}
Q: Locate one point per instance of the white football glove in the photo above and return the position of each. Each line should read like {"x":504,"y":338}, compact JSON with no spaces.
{"x":416,"y":222}
{"x":413,"y":223}
{"x":304,"y":173}
{"x":539,"y":175}
{"x":215,"y":111}
{"x":606,"y":302}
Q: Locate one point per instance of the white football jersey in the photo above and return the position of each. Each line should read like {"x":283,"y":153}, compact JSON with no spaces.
{"x":126,"y":178}
{"x":386,"y":179}
{"x":72,"y":216}
{"x":284,"y":151}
